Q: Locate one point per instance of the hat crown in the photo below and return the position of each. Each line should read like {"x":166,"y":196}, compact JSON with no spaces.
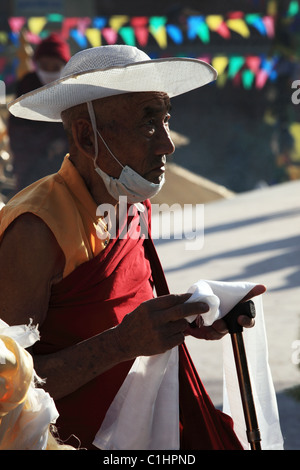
{"x":103,"y":57}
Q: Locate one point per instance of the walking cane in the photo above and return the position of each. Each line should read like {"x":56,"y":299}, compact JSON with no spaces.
{"x":235,"y":330}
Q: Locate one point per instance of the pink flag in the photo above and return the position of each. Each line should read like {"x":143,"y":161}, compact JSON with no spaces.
{"x":110,"y":35}
{"x":16,"y":23}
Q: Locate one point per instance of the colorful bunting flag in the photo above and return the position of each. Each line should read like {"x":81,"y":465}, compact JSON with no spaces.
{"x":36,"y":24}
{"x":33,"y":38}
{"x":99,"y":22}
{"x":220,"y":64}
{"x":79,"y":38}
{"x":239,"y":26}
{"x":116,"y":22}
{"x":216,"y":23}
{"x":110,"y":35}
{"x":92,"y":32}
{"x":93,"y":36}
{"x":261,"y":78}
{"x":234,"y":66}
{"x":16,"y":24}
{"x":235,"y":15}
{"x":247,"y":78}
{"x":272,"y":8}
{"x":221,"y":80}
{"x":141,"y":31}
{"x":198,"y":27}
{"x":14,"y":38}
{"x":67,"y":25}
{"x":83,"y":24}
{"x":3,"y":37}
{"x":175,"y":33}
{"x":253,"y":63}
{"x":203,"y":33}
{"x":293,"y":8}
{"x":256,"y":21}
{"x":55,"y":18}
{"x":237,"y":79}
{"x":127,"y":34}
{"x":158,"y":30}
{"x":268,"y":22}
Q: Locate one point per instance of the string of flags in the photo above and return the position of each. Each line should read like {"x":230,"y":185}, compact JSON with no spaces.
{"x":137,"y":31}
{"x":248,"y":71}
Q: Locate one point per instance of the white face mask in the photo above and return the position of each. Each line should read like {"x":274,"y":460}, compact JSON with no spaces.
{"x":47,"y":77}
{"x":130,"y":183}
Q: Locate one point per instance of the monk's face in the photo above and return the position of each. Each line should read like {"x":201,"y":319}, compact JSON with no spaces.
{"x":135,"y":126}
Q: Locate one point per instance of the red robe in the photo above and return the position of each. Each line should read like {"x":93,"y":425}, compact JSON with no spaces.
{"x":95,"y":297}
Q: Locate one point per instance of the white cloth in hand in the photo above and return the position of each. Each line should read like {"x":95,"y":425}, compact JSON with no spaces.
{"x":145,"y":412}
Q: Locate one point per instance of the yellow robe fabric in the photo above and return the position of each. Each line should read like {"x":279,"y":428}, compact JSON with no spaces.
{"x":64,"y":203}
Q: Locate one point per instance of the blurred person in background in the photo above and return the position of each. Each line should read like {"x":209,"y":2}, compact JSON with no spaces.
{"x":37,"y":146}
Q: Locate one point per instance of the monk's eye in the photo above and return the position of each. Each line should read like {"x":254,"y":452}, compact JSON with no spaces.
{"x":150,"y":126}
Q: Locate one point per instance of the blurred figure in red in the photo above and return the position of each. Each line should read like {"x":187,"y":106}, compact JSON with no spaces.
{"x":37,"y":146}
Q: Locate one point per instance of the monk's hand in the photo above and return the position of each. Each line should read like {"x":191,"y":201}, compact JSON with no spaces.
{"x":156,"y":326}
{"x":219,"y":328}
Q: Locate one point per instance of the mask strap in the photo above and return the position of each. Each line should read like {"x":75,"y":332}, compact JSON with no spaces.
{"x":94,"y":126}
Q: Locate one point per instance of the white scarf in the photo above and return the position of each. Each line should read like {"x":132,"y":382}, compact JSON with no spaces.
{"x":145,"y":412}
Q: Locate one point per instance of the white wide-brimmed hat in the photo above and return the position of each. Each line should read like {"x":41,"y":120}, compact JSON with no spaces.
{"x":104,"y":71}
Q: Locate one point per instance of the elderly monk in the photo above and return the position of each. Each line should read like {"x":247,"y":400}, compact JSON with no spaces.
{"x":92,"y":294}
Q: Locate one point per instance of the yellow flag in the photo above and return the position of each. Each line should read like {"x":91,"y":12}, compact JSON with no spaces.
{"x":272,"y":8}
{"x":239,"y":26}
{"x":158,"y":30}
{"x":3,"y":37}
{"x":220,"y":63}
{"x":221,"y":80}
{"x":214,"y":21}
{"x":160,"y":36}
{"x":36,"y":24}
{"x":93,"y":35}
{"x":117,"y":21}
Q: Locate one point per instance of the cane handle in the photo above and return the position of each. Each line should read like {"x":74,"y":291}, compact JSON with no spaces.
{"x":243,"y":308}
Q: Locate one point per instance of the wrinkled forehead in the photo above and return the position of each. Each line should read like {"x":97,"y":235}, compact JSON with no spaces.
{"x":137,"y":103}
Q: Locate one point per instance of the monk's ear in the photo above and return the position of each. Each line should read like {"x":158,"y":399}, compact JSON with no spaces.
{"x":83,"y":137}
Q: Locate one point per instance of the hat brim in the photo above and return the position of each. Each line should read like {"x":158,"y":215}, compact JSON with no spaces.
{"x":173,"y":76}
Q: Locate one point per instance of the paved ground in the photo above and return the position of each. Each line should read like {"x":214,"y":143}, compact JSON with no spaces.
{"x":252,"y":237}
